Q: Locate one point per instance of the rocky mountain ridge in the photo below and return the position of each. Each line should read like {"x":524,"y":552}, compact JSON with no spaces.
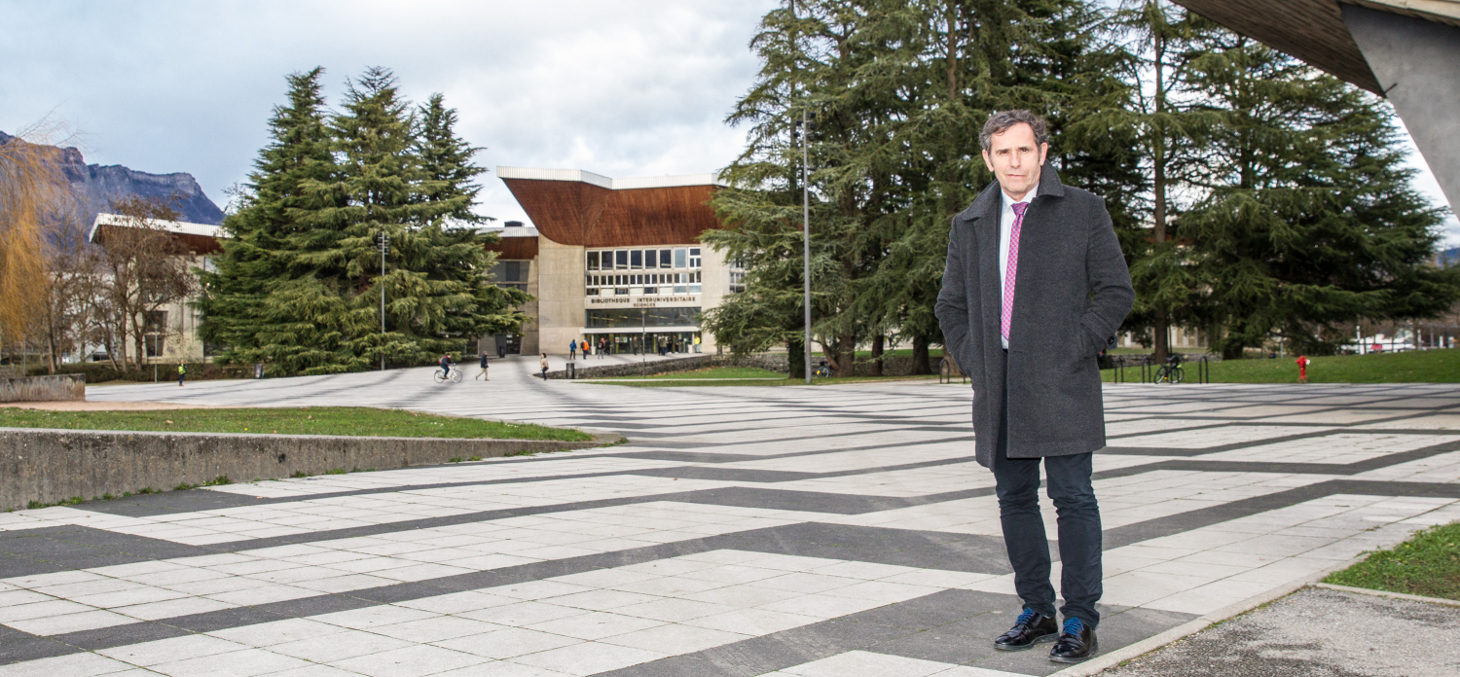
{"x":98,"y":185}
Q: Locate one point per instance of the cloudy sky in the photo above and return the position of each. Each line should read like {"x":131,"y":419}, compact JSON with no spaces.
{"x":623,"y":88}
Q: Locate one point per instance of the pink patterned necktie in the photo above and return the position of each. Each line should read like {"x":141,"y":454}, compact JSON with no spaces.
{"x":1012,"y":268}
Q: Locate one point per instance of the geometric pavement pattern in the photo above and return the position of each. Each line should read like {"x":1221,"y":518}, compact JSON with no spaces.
{"x":741,"y":531}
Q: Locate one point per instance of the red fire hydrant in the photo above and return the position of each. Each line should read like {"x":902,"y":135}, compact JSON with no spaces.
{"x":1302,"y":362}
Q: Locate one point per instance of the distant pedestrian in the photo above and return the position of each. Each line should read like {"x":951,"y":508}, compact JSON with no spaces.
{"x":542,"y":362}
{"x":1302,"y":362}
{"x":182,"y":373}
{"x":602,"y":347}
{"x":573,"y":349}
{"x":483,"y":373}
{"x":587,"y":348}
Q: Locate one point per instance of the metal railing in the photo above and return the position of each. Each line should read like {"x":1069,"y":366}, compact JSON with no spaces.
{"x":1145,"y":368}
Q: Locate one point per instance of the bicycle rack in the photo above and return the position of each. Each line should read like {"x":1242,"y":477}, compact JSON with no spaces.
{"x":945,"y":371}
{"x":1148,"y":372}
{"x":1203,"y":371}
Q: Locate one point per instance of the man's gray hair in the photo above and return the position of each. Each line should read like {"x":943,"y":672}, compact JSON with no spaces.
{"x":1004,"y":119}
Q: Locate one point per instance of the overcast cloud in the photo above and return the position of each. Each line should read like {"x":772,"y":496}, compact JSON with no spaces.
{"x":623,"y":88}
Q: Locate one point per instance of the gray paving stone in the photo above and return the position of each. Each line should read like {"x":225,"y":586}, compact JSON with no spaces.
{"x":881,"y":487}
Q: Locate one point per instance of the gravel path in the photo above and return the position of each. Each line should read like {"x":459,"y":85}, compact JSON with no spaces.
{"x":1317,"y":633}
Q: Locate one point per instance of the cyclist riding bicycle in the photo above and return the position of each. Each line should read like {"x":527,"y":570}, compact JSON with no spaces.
{"x":445,"y":363}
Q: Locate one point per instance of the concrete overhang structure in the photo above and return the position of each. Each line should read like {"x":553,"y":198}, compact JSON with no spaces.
{"x":200,"y":238}
{"x":578,"y":208}
{"x":1405,"y":50}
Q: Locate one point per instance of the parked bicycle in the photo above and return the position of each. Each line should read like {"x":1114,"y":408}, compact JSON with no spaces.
{"x":823,"y":370}
{"x":1170,"y":372}
{"x":454,"y":376}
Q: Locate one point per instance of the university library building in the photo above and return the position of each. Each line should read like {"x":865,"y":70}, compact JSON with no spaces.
{"x":614,"y":262}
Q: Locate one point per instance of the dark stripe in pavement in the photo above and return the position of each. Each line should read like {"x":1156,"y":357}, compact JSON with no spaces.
{"x":937,"y":550}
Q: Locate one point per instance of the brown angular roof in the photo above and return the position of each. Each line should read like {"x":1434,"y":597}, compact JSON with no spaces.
{"x":579,"y":208}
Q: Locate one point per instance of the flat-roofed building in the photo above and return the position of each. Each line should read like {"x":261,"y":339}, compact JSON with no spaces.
{"x":170,"y":332}
{"x":613,"y":259}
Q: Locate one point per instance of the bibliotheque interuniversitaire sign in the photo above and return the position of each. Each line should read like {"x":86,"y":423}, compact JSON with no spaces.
{"x":644,"y":301}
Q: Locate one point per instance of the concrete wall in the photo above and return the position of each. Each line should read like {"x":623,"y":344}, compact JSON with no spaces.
{"x":771,"y":361}
{"x":560,"y":298}
{"x":61,"y":387}
{"x":53,"y":465}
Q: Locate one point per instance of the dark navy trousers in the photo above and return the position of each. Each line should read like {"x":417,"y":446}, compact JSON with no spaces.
{"x":1078,"y":514}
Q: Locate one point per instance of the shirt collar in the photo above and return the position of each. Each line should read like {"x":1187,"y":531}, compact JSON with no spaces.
{"x":1028,"y":197}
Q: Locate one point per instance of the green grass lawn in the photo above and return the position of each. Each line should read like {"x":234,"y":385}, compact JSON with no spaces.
{"x":1428,"y":366}
{"x":1427,"y":564}
{"x":347,"y":421}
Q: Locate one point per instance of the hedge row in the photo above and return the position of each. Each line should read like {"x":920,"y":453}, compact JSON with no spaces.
{"x":98,"y":372}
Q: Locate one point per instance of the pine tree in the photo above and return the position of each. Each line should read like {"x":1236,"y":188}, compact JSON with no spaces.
{"x":247,"y":302}
{"x":435,"y":287}
{"x":309,"y":264}
{"x":808,"y":62}
{"x":1309,"y":217}
{"x":446,"y":162}
{"x":1165,"y":42}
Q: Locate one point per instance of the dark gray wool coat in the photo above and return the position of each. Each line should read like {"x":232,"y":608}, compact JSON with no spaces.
{"x":1071,"y":292}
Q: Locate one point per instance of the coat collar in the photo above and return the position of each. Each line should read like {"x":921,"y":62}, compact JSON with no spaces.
{"x":990,"y":200}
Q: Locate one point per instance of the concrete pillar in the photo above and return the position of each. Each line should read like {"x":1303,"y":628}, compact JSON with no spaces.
{"x":1417,"y":63}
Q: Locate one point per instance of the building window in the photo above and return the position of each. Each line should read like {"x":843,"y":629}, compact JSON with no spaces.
{"x":636,"y":259}
{"x":621,"y":259}
{"x":665,"y":258}
{"x":694,"y":257}
{"x":679,"y":260}
{"x":630,"y":318}
{"x":592,"y":260}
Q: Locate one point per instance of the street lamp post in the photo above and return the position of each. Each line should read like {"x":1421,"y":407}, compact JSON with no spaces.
{"x":806,"y":243}
{"x":384,"y":248}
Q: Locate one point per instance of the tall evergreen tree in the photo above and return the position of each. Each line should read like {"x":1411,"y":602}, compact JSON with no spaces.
{"x":1309,"y":217}
{"x":387,"y":174}
{"x":899,"y":92}
{"x":446,"y":162}
{"x":1168,"y":109}
{"x":243,"y":309}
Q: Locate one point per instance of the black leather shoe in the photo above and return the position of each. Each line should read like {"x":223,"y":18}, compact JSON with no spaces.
{"x":1076,"y":643}
{"x":1031,"y":628}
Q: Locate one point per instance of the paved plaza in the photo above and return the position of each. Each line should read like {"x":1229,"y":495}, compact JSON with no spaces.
{"x":828,"y":531}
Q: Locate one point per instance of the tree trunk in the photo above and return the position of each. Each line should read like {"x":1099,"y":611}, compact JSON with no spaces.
{"x":878,"y":343}
{"x":796,"y":358}
{"x":846,"y":355}
{"x":922,"y":362}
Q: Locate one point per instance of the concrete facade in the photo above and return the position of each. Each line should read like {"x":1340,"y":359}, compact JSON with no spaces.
{"x":616,"y":260}
{"x":1417,"y":63}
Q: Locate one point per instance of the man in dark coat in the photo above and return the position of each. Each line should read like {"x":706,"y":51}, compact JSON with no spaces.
{"x":1035,"y":286}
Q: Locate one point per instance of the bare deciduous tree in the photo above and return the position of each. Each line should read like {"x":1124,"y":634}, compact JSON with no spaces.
{"x":144,"y":267}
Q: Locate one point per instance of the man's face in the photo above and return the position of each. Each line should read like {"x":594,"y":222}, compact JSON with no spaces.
{"x":1015,"y":159}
